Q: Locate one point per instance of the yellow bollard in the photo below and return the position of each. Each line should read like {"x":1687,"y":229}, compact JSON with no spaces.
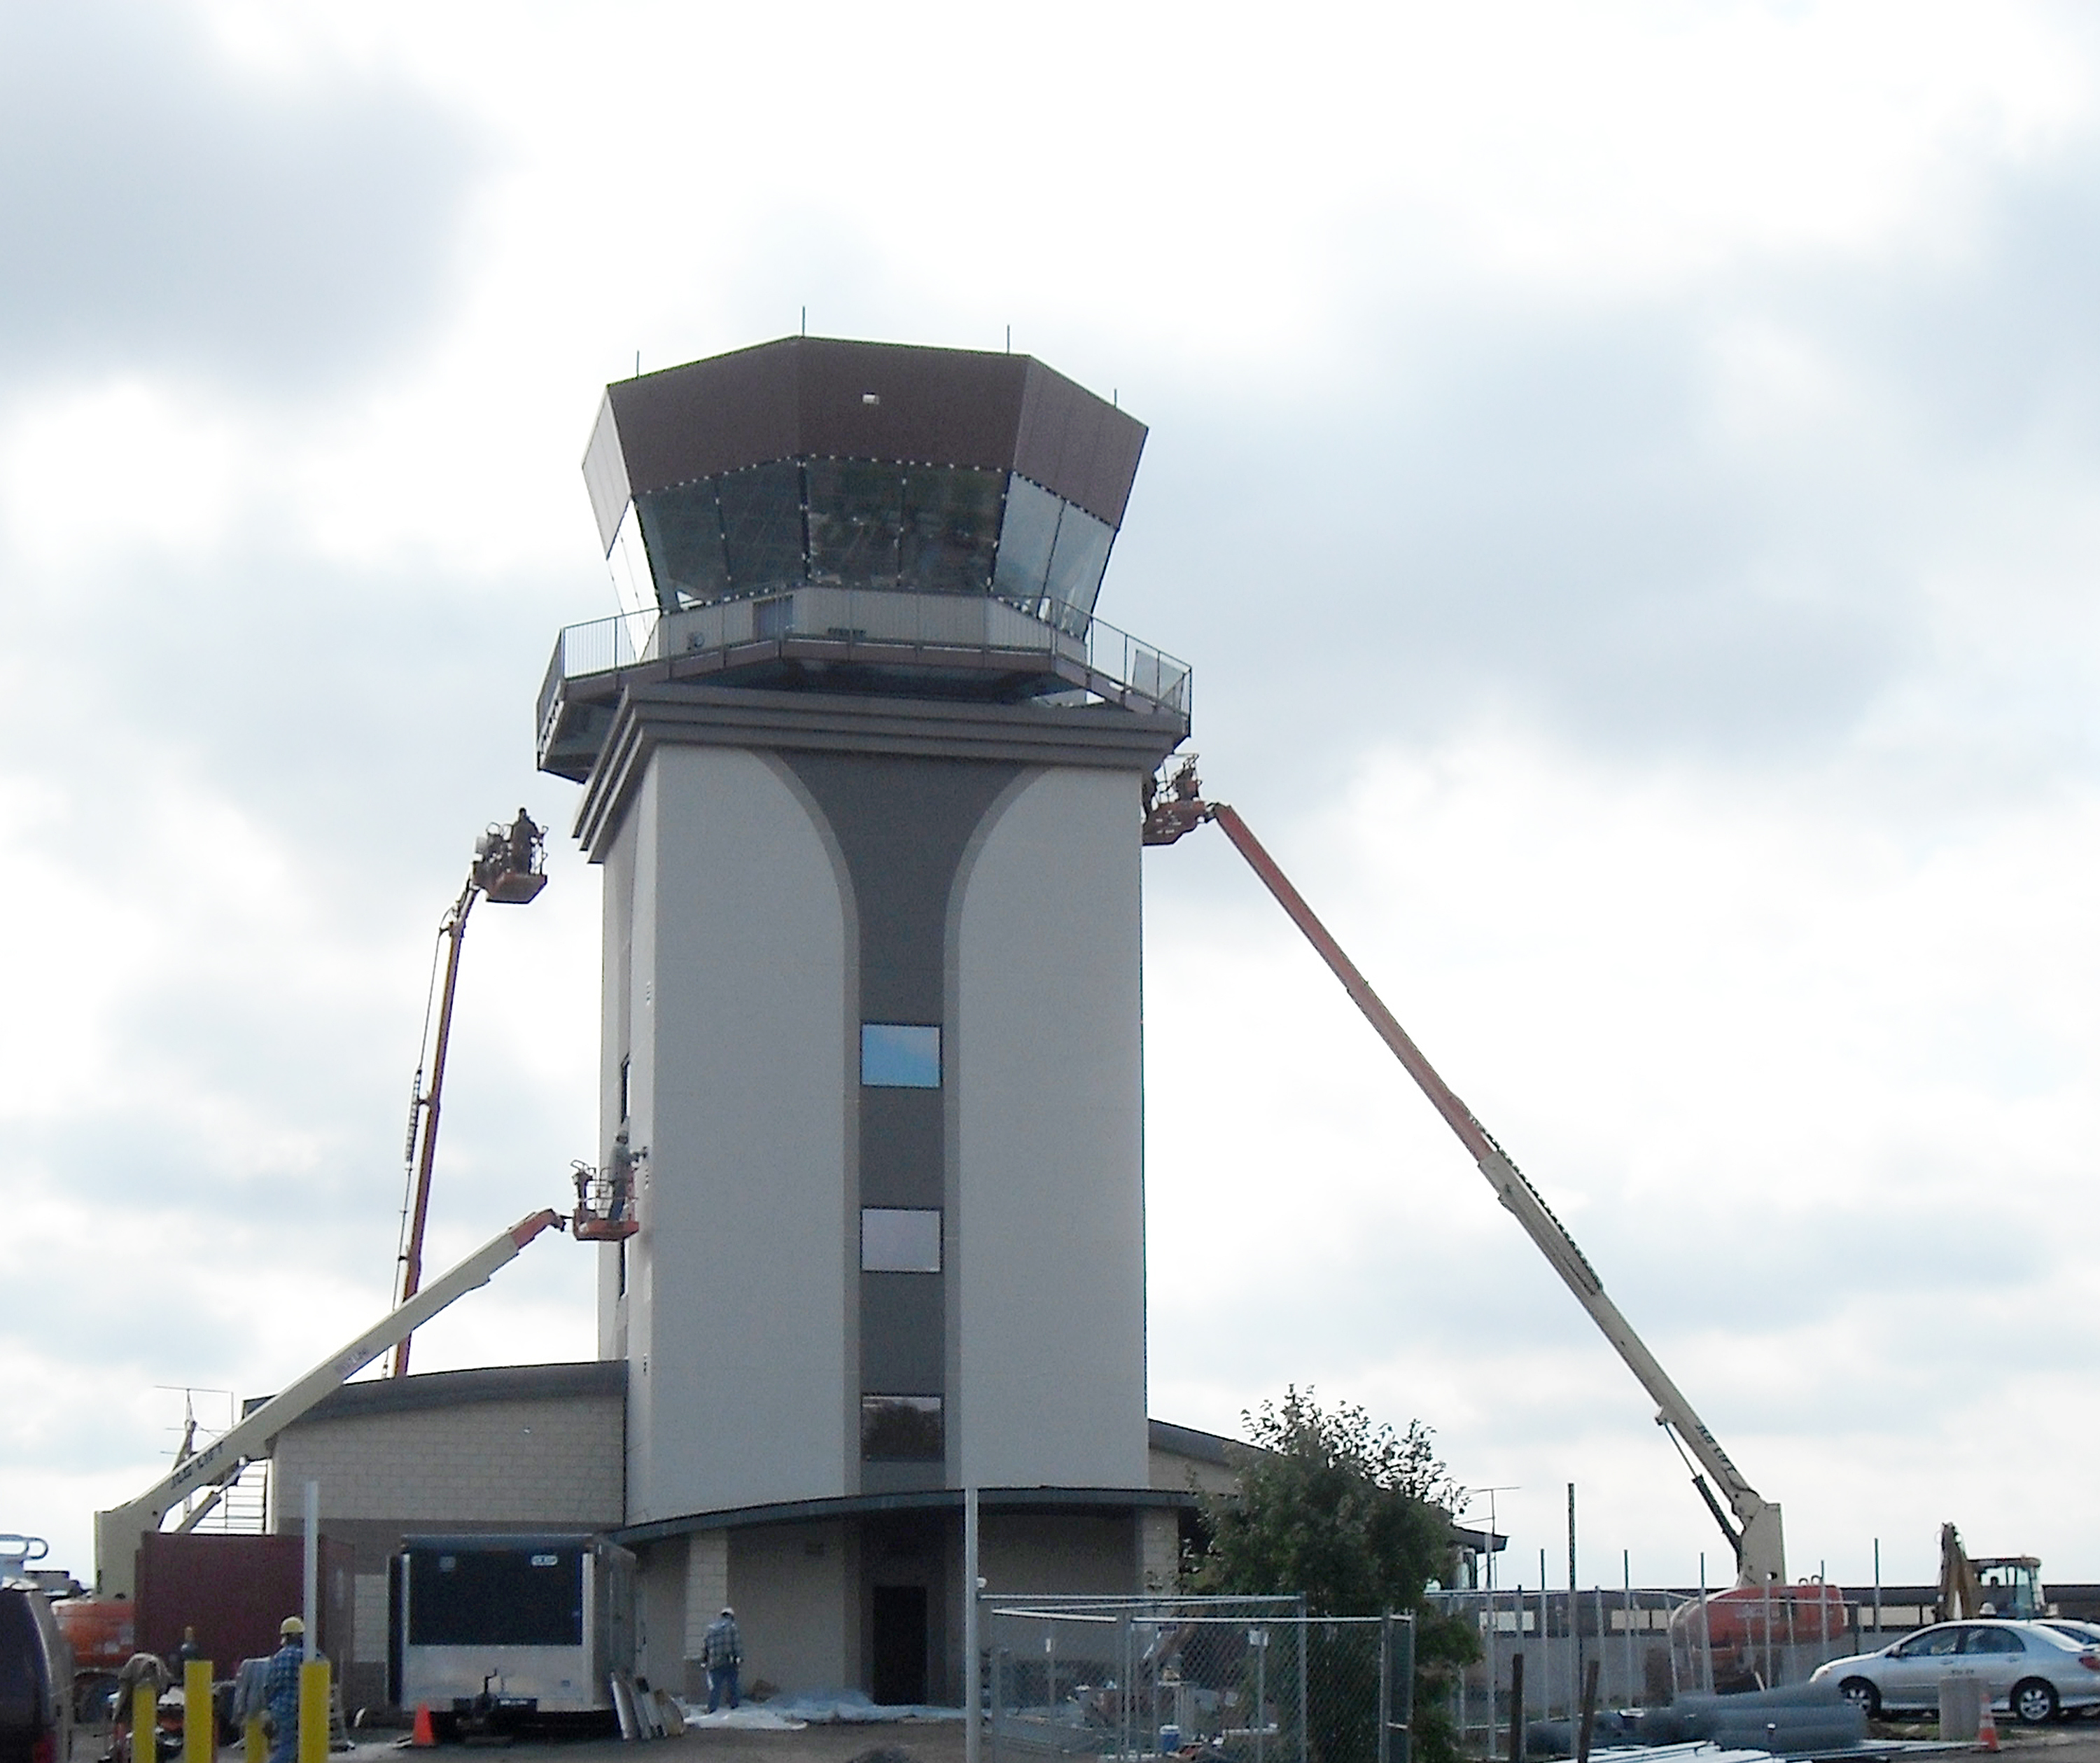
{"x":200,"y":1718}
{"x":145,"y":1722}
{"x":314,"y":1712}
{"x":252,"y":1741}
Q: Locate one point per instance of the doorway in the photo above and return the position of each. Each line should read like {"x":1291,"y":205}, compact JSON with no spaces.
{"x":899,"y":1650}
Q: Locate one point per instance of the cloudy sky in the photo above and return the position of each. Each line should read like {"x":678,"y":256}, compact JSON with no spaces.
{"x":1625,"y":477}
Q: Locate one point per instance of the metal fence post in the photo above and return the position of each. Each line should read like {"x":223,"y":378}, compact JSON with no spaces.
{"x":1385,"y":1691}
{"x":1304,"y":1711}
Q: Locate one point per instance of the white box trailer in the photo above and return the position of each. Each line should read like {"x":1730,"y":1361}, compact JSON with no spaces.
{"x":511,"y":1629}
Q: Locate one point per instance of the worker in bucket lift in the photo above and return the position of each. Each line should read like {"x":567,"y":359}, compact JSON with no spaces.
{"x":620,"y":1177}
{"x":280,"y":1690}
{"x":721,"y":1650}
{"x":524,"y":837}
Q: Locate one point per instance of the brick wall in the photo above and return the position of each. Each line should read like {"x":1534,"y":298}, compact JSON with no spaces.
{"x":544,"y":1462}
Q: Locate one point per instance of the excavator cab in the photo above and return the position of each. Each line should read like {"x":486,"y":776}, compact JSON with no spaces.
{"x":2010,"y":1586}
{"x":510,"y":861}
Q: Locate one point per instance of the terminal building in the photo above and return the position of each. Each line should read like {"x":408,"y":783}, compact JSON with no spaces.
{"x":865,"y":774}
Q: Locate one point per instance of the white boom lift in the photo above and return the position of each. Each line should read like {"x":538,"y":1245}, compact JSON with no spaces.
{"x":117,"y":1531}
{"x":1754,"y":1530}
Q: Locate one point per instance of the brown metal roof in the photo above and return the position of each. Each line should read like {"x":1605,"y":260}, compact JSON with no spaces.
{"x":818,"y":397}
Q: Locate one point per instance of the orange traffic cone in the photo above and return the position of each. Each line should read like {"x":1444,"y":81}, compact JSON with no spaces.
{"x":422,"y":1736}
{"x":1987,"y":1726}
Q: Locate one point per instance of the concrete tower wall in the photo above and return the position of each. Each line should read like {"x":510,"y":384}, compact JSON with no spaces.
{"x":1046,"y":1139}
{"x":759,"y":906}
{"x":738,"y":1330}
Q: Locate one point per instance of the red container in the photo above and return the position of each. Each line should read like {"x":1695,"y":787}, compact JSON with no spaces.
{"x":235,"y":1591}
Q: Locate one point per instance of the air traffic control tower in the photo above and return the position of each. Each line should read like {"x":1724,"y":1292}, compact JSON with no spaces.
{"x":865,"y":776}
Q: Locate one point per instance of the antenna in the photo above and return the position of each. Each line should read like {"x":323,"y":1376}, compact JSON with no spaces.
{"x":805,"y":321}
{"x":1009,"y":339}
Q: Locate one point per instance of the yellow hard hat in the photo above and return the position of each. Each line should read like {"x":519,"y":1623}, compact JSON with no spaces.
{"x":291,"y":1625}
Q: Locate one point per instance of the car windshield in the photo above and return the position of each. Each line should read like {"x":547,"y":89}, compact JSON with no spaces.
{"x":2071,"y":1640}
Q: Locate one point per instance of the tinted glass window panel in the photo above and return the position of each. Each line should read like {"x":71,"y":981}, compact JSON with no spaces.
{"x":495,"y":1597}
{"x":856,"y":517}
{"x":900,"y":1056}
{"x":901,"y":1429}
{"x":1080,"y":555}
{"x":951,"y":536}
{"x":761,"y":516}
{"x":1024,"y":537}
{"x":681,"y":531}
{"x":895,"y":1240}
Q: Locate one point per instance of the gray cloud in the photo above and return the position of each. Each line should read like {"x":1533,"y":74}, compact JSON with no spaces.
{"x":1546,"y":509}
{"x":159,"y":209}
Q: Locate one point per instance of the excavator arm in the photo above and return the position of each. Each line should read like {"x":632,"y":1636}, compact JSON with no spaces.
{"x":117,"y":1530}
{"x":1750,"y":1521}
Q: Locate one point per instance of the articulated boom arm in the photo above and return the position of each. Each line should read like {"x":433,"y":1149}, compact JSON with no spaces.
{"x":117,"y":1531}
{"x":1760,"y":1550}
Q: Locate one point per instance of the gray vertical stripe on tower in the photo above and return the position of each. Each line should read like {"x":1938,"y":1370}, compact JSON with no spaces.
{"x":903,"y":825}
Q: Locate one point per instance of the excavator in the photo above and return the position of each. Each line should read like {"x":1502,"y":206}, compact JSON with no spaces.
{"x":1988,"y":1585}
{"x":1174,"y":807}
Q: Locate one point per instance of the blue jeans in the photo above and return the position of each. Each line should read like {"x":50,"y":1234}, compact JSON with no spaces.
{"x":284,"y":1741}
{"x":721,"y":1681}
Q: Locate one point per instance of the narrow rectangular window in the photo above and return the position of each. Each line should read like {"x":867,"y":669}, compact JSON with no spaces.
{"x":901,"y":1429}
{"x":623,"y":1088}
{"x":900,"y":1055}
{"x":895,"y":1239}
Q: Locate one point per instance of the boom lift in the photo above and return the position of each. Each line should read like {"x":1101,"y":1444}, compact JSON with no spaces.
{"x":208,"y":1471}
{"x":509,"y":867}
{"x":1751,"y":1523}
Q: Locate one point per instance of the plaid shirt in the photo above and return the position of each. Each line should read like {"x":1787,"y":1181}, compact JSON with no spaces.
{"x":722,"y":1645}
{"x":280,"y":1686}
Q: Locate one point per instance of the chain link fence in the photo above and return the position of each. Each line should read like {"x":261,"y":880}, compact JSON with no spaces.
{"x":1649,"y":1647}
{"x":1222,"y":1680}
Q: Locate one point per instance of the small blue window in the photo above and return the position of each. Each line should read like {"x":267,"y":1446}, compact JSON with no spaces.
{"x":900,"y":1056}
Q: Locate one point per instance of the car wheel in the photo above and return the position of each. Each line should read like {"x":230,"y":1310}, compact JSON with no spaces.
{"x":1862,"y":1695}
{"x":2033,"y":1702}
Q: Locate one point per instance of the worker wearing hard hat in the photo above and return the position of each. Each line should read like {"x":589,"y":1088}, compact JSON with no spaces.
{"x":721,"y":1650}
{"x":280,"y":1690}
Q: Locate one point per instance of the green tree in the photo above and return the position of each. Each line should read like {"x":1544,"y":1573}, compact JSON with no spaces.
{"x":1358,"y":1518}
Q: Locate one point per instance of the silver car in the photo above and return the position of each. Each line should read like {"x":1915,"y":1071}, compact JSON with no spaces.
{"x":2033,"y":1672}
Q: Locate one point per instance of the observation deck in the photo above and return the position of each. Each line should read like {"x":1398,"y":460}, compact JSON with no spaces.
{"x":863,"y":641}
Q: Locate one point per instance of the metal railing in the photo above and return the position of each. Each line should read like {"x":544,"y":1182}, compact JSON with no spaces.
{"x":874,"y":627}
